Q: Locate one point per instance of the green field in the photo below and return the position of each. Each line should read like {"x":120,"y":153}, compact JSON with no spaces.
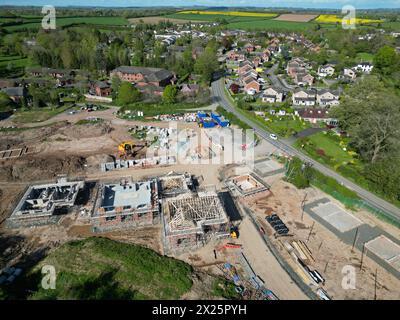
{"x":364,"y":56}
{"x":102,"y":269}
{"x":214,"y":17}
{"x":38,"y":115}
{"x":66,"y":21}
{"x":249,"y":23}
{"x":14,"y":61}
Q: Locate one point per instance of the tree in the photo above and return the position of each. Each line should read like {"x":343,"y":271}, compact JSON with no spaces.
{"x":115,"y":84}
{"x":386,"y":60}
{"x":127,"y":94}
{"x":370,"y":113}
{"x":6,"y":103}
{"x":169,"y":94}
{"x":207,"y":64}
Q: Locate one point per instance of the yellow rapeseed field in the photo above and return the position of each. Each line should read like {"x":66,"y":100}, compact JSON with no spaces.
{"x":231,"y":13}
{"x":332,"y":18}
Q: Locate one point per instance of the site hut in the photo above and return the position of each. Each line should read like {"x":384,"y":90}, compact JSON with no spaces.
{"x":192,"y":219}
{"x":126,"y":204}
{"x":43,"y":204}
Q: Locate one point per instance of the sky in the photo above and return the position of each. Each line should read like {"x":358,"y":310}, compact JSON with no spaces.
{"x":318,"y":4}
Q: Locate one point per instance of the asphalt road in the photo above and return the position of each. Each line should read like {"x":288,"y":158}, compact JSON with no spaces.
{"x":389,"y":209}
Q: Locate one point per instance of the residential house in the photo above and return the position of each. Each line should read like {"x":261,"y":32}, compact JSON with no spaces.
{"x":315,"y":115}
{"x":16,"y":94}
{"x":349,"y":73}
{"x":272,"y":95}
{"x":101,"y":89}
{"x":242,"y":70}
{"x":251,"y":85}
{"x":7,"y":83}
{"x":302,"y":97}
{"x":144,"y":76}
{"x":326,"y":71}
{"x":303,"y":79}
{"x":327,"y":97}
{"x":249,"y":47}
{"x":150,"y":89}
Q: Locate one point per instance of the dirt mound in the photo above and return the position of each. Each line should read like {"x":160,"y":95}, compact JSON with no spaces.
{"x":41,"y":168}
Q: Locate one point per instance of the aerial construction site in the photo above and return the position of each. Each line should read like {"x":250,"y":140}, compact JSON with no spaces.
{"x":245,"y":223}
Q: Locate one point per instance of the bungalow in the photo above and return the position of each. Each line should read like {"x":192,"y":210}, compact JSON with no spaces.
{"x":328,"y":97}
{"x":142,"y":75}
{"x":326,"y":71}
{"x":272,"y":95}
{"x":16,"y":94}
{"x":315,"y":115}
{"x":303,"y":97}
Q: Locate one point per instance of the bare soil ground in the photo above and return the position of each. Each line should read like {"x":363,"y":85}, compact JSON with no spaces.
{"x":296,"y":17}
{"x":330,"y":253}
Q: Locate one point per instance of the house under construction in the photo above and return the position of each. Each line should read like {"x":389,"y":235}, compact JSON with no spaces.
{"x":43,"y":204}
{"x":173,"y":184}
{"x":126,"y":204}
{"x":248,"y":188}
{"x":192,"y":218}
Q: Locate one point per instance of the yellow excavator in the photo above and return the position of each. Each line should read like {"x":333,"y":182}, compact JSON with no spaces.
{"x":129,"y":149}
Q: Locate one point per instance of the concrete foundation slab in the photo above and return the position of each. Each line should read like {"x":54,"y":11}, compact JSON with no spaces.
{"x":385,"y":249}
{"x":339,"y":219}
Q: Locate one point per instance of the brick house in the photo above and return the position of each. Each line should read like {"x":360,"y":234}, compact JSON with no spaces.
{"x":101,"y":89}
{"x":144,"y":76}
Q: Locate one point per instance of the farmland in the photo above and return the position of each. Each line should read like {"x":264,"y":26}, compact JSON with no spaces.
{"x":34,"y":23}
{"x":332,"y":18}
{"x":296,"y":17}
{"x":232,"y":13}
{"x":157,"y":19}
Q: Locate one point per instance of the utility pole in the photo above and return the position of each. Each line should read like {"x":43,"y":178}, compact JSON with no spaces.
{"x":355,"y":239}
{"x":302,"y":206}
{"x":376,"y":283}
{"x":326,"y":266}
{"x":309,"y":235}
{"x":362,"y":256}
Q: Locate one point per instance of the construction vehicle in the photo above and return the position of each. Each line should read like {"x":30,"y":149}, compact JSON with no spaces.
{"x":234,"y":232}
{"x":129,"y":149}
